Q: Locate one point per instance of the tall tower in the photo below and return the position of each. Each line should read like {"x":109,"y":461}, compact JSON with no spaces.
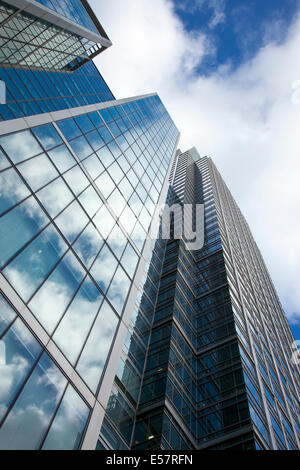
{"x":219,"y":368}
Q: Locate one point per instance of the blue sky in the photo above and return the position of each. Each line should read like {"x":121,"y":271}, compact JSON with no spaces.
{"x":226,"y":71}
{"x":237,"y":28}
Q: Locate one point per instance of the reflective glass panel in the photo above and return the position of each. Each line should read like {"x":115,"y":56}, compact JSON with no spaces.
{"x":55,"y":197}
{"x":106,"y":158}
{"x":27,"y":422}
{"x":69,"y":128}
{"x":72,"y":221}
{"x":88,"y":245}
{"x":90,"y":201}
{"x":118,"y":290}
{"x":47,"y":136}
{"x":76,"y":323}
{"x":69,"y":423}
{"x":117,"y":241}
{"x":38,"y":171}
{"x":129,"y":260}
{"x":81,"y":147}
{"x":76,"y":179}
{"x":20,"y":146}
{"x":95,"y":353}
{"x":18,"y":226}
{"x":4,"y":163}
{"x":93,"y":166}
{"x":104,"y":268}
{"x":105,"y":184}
{"x":18,"y":352}
{"x":62,"y":158}
{"x":53,"y":297}
{"x":12,"y":189}
{"x":27,"y":271}
{"x":104,"y":221}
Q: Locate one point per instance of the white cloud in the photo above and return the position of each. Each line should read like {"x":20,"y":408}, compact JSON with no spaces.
{"x":246,"y":120}
{"x":219,"y":16}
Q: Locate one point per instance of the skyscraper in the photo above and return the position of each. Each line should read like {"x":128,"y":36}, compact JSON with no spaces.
{"x":219,"y":369}
{"x":112,"y":337}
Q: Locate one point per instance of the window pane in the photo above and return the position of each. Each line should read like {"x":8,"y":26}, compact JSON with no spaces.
{"x":38,"y":171}
{"x":62,"y":158}
{"x":104,"y":221}
{"x":72,"y":221}
{"x":12,"y":189}
{"x":118,"y":290}
{"x":28,"y":270}
{"x":77,"y":321}
{"x":30,"y":417}
{"x":117,"y":241}
{"x":20,"y":146}
{"x":117,"y":202}
{"x":115,"y":172}
{"x":90,"y":201}
{"x":4,"y":163}
{"x":69,"y":128}
{"x":95,"y":140}
{"x":81,"y":147}
{"x":55,"y":197}
{"x":128,"y":219}
{"x":52,"y":299}
{"x":106,"y":157}
{"x":19,"y":226}
{"x":47,"y":136}
{"x":104,"y":267}
{"x":84,"y":123}
{"x":93,"y":166}
{"x":130,"y":260}
{"x":88,"y":245}
{"x":105,"y":184}
{"x":69,"y":423}
{"x":95,"y":353}
{"x":18,"y":353}
{"x":76,"y":180}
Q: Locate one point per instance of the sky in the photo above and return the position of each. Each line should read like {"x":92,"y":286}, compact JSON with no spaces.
{"x":228,"y":71}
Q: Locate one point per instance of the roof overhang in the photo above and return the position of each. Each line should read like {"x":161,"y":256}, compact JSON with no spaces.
{"x":37,"y":9}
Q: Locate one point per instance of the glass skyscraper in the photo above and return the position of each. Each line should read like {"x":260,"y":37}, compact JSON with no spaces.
{"x":218,"y":371}
{"x":111,"y":338}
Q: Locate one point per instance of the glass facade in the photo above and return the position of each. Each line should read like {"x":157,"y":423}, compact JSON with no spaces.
{"x":78,"y":196}
{"x":46,"y":67}
{"x":29,"y":41}
{"x":32,"y":92}
{"x":216,"y":372}
{"x":71,"y":9}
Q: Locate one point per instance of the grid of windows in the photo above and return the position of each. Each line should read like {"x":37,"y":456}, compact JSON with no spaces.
{"x":71,"y":9}
{"x":77,"y":199}
{"x":28,"y":41}
{"x":34,"y":390}
{"x":31,"y":92}
{"x":265,"y":337}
